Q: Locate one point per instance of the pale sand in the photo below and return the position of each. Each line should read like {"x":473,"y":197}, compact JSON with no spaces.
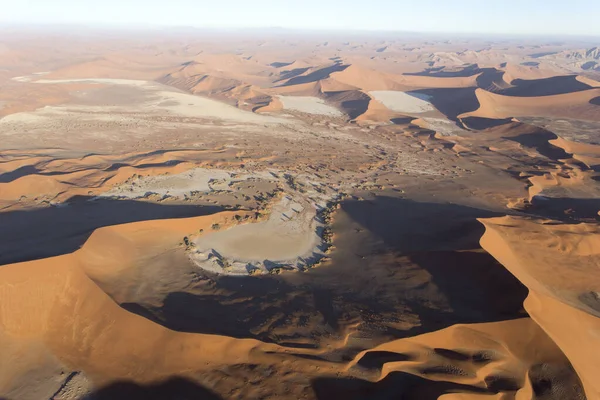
{"x":178,"y":185}
{"x":158,"y":99}
{"x":289,"y":234}
{"x":289,"y":237}
{"x":404,"y":102}
{"x":309,"y":105}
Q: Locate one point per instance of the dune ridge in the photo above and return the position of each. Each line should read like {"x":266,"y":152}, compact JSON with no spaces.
{"x":562,"y":296}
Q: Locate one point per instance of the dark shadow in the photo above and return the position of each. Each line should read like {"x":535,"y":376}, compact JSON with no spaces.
{"x":546,"y":53}
{"x":396,"y":385}
{"x":291,"y":73}
{"x":352,"y":102}
{"x":355,"y":108}
{"x":565,"y":209}
{"x":117,"y":166}
{"x":440,"y":72}
{"x":174,"y":388}
{"x":280,"y":64}
{"x":589,"y":65}
{"x":18,"y":173}
{"x":317,"y":75}
{"x":45,"y":232}
{"x":539,"y":141}
{"x":592,"y":300}
{"x":401,"y":121}
{"x":451,"y":354}
{"x":480,"y":123}
{"x":545,"y":87}
{"x":451,"y":102}
{"x":530,"y":63}
{"x":498,"y":383}
{"x":410,"y":227}
{"x":555,"y":382}
{"x":413,"y":260}
{"x":376,"y":359}
{"x":595,"y":101}
{"x":237,"y":310}
{"x":491,"y":79}
{"x":436,"y":237}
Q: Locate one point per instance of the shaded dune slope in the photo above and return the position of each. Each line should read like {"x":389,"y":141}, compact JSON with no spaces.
{"x":558,"y":263}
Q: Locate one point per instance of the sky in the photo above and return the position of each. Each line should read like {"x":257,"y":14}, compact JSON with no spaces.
{"x":555,"y":17}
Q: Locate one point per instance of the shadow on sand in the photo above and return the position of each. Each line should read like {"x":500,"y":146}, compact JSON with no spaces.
{"x":539,"y":141}
{"x":452,"y":102}
{"x":46,"y":232}
{"x":396,"y":385}
{"x":174,"y":388}
{"x":317,"y":75}
{"x":396,"y":261}
{"x":481,"y":123}
{"x":552,"y":382}
{"x":545,"y":87}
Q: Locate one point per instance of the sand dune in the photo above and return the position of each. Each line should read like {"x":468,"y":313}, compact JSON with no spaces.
{"x":86,"y":330}
{"x":499,"y":106}
{"x":558,"y":264}
{"x":108,"y":343}
{"x":283,"y":215}
{"x":480,"y":359}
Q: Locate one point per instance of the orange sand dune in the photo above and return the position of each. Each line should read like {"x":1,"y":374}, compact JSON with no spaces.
{"x":377,"y":112}
{"x":55,"y":303}
{"x":570,"y":105}
{"x":60,"y":187}
{"x":367,"y":79}
{"x":332,"y":85}
{"x":452,"y":354}
{"x":588,"y":81}
{"x":302,"y":89}
{"x":559,"y":264}
{"x":589,"y":154}
{"x":515,"y":71}
{"x":61,"y":178}
{"x":14,"y":164}
{"x":438,"y":82}
{"x":552,"y":179}
{"x":84,"y":329}
{"x":33,"y":186}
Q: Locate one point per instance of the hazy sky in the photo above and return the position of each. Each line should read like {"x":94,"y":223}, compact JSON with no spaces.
{"x":577,"y":17}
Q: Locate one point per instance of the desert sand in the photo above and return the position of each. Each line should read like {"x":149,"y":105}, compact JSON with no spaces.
{"x":277,"y":215}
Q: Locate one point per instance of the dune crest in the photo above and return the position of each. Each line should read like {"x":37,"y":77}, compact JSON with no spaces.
{"x":559,"y":265}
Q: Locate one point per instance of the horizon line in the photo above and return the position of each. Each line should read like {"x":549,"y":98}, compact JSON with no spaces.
{"x":156,"y":27}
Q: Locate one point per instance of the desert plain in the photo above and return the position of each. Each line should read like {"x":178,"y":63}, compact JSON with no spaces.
{"x":263,"y":214}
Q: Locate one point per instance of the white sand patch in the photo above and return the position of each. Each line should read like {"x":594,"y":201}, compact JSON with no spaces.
{"x":442,"y":126}
{"x":21,"y":79}
{"x":160,"y":100}
{"x":404,"y":102}
{"x":179,"y":185}
{"x":309,"y":105}
{"x":197,"y":180}
{"x":105,"y":81}
{"x":288,"y":238}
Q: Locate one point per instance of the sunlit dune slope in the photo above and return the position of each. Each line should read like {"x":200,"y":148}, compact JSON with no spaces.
{"x":559,"y":264}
